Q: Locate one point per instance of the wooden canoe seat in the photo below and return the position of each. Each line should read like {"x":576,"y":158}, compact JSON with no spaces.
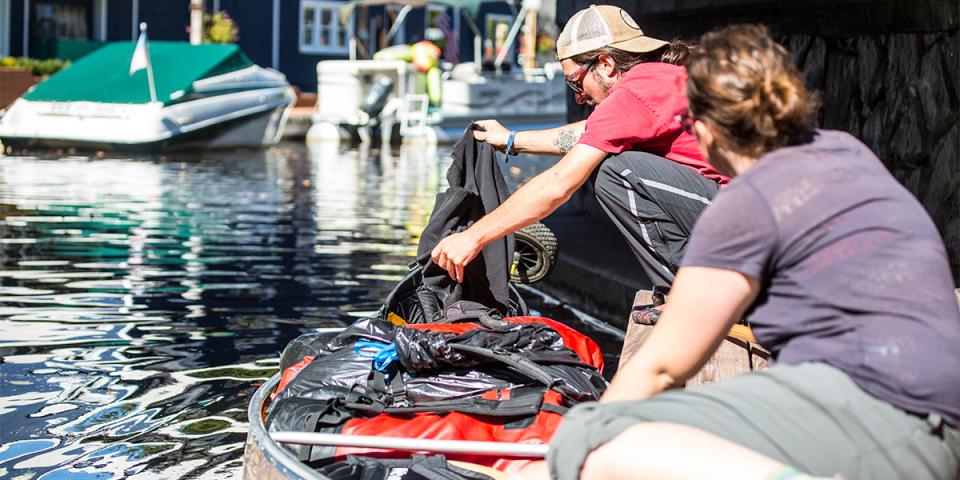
{"x":738,"y":353}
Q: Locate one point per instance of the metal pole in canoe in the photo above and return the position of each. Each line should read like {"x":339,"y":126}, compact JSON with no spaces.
{"x":502,"y":449}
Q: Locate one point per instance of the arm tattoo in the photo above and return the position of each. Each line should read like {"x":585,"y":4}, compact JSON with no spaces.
{"x":566,"y":139}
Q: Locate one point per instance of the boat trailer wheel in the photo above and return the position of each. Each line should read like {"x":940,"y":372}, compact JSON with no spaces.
{"x":535,"y":254}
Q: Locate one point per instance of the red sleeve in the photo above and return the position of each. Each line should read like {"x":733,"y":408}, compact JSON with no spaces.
{"x":619,"y":122}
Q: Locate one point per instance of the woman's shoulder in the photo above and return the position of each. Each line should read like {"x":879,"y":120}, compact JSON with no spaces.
{"x":836,"y":142}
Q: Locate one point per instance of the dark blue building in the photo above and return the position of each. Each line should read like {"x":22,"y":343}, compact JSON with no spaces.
{"x":288,"y":35}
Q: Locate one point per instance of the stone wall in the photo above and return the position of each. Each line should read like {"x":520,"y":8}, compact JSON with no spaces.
{"x":900,"y":94}
{"x":888,"y":72}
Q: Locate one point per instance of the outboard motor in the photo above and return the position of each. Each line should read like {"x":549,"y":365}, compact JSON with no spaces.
{"x":376,"y":97}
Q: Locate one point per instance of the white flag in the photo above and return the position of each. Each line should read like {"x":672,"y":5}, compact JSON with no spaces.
{"x":139,"y":60}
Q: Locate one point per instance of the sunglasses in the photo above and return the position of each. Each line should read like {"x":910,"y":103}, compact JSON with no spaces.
{"x":575,"y":79}
{"x":686,"y":121}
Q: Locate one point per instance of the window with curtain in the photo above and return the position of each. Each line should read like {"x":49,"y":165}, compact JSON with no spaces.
{"x":320,"y":28}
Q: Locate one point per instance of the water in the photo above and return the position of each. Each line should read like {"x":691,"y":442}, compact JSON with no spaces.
{"x":143,"y":300}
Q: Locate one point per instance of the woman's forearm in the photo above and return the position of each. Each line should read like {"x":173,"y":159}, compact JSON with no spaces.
{"x":704,"y":303}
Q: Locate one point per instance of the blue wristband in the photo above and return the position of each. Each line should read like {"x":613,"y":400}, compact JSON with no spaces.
{"x":509,"y":149}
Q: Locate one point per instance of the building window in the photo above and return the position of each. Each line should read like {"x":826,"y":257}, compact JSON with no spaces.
{"x":320,"y":28}
{"x":62,"y":21}
{"x":496,"y":29}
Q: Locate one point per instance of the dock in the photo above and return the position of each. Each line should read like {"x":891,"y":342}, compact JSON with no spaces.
{"x":301,"y":116}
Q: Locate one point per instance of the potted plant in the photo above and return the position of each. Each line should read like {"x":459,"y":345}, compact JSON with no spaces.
{"x":17,"y":75}
{"x":219,"y":28}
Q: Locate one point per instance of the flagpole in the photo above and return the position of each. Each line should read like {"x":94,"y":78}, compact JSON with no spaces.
{"x":153,"y":86}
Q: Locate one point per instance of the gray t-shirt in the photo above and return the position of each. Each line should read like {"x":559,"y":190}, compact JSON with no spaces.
{"x":853,"y":272}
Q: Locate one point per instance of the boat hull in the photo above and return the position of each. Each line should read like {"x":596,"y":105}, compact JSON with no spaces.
{"x":233,"y":133}
{"x":247,"y":109}
{"x":524,"y":101}
{"x":264,"y":459}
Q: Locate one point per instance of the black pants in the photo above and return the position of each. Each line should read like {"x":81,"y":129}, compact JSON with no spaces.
{"x":654,"y":202}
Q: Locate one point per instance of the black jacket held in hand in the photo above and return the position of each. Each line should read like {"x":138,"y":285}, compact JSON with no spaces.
{"x":476,"y":189}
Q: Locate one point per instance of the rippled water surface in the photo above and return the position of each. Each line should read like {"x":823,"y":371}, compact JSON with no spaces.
{"x":143,"y":300}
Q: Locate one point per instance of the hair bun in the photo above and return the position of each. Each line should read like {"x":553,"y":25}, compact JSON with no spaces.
{"x":748,"y":85}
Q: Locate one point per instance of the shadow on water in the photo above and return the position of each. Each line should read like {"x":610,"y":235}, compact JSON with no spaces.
{"x":143,"y":300}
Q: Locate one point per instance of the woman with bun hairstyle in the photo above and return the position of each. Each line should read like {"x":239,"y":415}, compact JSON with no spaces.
{"x":842,"y":276}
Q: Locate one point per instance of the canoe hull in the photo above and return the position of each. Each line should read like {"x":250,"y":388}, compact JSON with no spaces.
{"x":264,"y":459}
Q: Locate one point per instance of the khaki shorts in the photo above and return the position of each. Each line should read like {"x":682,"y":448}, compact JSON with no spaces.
{"x":809,"y":416}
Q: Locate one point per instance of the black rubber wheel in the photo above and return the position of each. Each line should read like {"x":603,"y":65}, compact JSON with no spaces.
{"x":535,"y":254}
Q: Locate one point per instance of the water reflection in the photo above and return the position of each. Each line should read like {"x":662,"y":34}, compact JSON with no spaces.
{"x":142,"y":300}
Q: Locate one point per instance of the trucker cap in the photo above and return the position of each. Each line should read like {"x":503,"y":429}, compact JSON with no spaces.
{"x":600,"y":26}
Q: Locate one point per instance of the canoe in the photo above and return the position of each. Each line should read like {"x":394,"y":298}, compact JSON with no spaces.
{"x":263,"y":458}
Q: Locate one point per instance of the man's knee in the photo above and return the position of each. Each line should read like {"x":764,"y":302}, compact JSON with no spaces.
{"x":607,"y":178}
{"x":617,"y":172}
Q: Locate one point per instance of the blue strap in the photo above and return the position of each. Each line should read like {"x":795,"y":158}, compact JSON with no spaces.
{"x":510,"y":139}
{"x":383,"y":354}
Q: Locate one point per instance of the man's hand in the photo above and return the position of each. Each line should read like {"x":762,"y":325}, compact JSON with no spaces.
{"x":492,"y":132}
{"x":455,"y":252}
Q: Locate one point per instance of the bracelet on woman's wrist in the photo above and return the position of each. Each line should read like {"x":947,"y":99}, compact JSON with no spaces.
{"x":510,"y":139}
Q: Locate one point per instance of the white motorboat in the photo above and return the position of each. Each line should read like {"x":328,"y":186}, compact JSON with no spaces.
{"x":206,"y":96}
{"x":366,"y":99}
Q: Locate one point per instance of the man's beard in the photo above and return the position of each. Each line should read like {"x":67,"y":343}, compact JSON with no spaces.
{"x":605,"y":86}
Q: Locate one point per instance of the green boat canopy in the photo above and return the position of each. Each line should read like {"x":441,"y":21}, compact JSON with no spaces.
{"x":104,"y":75}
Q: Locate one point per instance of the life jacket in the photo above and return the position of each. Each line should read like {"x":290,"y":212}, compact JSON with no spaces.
{"x":506,"y":380}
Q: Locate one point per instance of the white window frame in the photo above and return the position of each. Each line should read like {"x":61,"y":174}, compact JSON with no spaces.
{"x":5,"y":30}
{"x":314,"y":46}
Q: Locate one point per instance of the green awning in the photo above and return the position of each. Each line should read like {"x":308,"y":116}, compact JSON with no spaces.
{"x":104,"y":75}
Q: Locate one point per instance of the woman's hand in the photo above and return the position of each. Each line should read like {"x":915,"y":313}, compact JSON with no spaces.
{"x":455,"y":252}
{"x":492,"y":132}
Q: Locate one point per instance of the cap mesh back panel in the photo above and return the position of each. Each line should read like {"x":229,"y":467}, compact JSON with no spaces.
{"x":588,"y":26}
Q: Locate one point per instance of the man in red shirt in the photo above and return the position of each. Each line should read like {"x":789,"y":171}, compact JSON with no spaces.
{"x":652,"y":178}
